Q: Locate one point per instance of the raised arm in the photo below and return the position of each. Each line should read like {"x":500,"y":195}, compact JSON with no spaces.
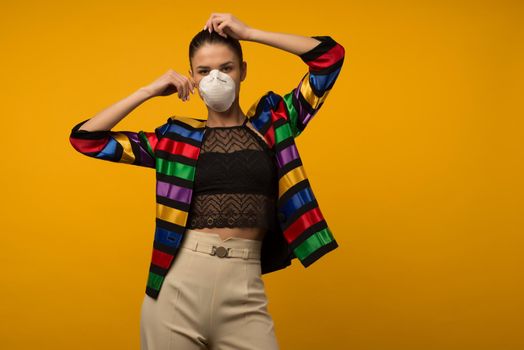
{"x":324,"y":58}
{"x":93,"y":137}
{"x":128,"y":147}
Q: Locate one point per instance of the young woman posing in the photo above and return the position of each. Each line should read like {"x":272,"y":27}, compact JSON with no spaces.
{"x":219,"y":183}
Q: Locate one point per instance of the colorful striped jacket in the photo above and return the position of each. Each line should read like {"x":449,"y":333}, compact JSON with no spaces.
{"x":173,"y":149}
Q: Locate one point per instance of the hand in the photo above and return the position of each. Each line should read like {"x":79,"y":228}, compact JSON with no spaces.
{"x":171,"y":82}
{"x":226,"y":24}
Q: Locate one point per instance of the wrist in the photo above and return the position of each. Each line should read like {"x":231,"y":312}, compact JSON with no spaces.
{"x":144,"y":93}
{"x":252,"y":34}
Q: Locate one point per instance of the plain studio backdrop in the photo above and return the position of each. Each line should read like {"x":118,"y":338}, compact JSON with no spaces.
{"x":416,"y":159}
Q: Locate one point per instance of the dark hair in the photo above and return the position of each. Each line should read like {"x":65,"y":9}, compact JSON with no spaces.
{"x":204,"y":36}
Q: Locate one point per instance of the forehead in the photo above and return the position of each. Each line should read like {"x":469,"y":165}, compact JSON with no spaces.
{"x":213,"y":55}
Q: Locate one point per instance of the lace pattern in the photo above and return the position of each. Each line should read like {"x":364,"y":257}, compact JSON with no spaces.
{"x":235,"y":181}
{"x":232,"y":210}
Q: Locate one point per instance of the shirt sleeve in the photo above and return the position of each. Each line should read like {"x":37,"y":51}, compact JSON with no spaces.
{"x":128,"y":147}
{"x":324,"y":63}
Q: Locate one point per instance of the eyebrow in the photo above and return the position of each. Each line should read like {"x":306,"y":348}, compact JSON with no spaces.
{"x":222,"y":65}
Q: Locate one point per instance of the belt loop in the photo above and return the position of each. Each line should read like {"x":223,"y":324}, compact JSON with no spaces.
{"x":245,"y":254}
{"x":194,"y":245}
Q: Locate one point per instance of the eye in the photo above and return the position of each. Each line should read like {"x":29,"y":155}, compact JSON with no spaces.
{"x":205,"y":71}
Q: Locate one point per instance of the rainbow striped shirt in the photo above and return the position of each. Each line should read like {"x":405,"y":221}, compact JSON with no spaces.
{"x":173,"y":148}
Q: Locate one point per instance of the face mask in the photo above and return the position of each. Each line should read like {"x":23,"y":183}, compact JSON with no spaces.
{"x":218,"y":90}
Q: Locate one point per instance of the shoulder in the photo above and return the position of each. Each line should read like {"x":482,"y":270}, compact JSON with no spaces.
{"x":185,"y":122}
{"x":179,"y":124}
{"x":269,"y":101}
{"x":184,"y":119}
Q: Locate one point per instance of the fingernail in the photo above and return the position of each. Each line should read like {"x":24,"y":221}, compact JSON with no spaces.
{"x":205,"y":27}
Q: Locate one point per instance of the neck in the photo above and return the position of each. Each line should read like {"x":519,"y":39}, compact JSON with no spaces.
{"x":231,"y":117}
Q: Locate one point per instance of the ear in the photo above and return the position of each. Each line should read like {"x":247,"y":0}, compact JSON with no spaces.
{"x":244,"y":71}
{"x":192,"y":78}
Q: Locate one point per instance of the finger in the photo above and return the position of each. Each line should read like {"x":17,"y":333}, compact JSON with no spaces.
{"x":180,"y":86}
{"x":221,"y":22}
{"x":209,"y":23}
{"x":188,"y":84}
{"x":187,"y":87}
{"x":184,"y":89}
{"x":215,"y":23}
{"x":192,"y":82}
{"x":192,"y":85}
{"x":221,"y":29}
{"x":173,"y":80}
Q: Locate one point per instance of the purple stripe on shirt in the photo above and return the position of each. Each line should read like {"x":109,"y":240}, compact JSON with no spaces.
{"x":145,"y":158}
{"x":174,"y":192}
{"x":286,"y":155}
{"x":303,"y":114}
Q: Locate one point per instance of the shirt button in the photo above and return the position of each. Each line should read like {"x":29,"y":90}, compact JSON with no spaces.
{"x":210,"y":221}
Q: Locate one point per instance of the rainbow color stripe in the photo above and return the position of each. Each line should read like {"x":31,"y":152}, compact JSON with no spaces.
{"x":173,"y":149}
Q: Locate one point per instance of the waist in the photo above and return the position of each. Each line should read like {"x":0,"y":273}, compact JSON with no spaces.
{"x":231,"y":247}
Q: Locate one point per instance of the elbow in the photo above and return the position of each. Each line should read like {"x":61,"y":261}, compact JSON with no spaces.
{"x":340,"y":52}
{"x":88,"y":142}
{"x":77,"y":144}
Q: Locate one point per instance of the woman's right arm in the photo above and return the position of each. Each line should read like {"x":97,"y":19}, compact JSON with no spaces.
{"x":93,"y":137}
{"x":112,"y":115}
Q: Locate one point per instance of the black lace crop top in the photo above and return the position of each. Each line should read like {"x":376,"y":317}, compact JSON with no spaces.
{"x":235,"y":180}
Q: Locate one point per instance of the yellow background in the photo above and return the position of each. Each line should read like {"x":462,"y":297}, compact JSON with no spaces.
{"x":416,"y":159}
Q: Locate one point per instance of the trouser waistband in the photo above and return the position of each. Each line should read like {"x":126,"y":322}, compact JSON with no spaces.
{"x":231,"y":247}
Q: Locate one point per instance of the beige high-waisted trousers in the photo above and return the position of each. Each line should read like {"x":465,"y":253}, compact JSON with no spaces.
{"x":208,"y":301}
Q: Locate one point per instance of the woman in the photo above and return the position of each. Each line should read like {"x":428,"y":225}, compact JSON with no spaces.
{"x":213,"y":296}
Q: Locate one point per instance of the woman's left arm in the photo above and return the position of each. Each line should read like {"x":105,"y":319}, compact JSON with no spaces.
{"x":324,"y":57}
{"x":295,"y":44}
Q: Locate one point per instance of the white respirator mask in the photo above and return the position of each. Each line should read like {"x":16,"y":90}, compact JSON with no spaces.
{"x":218,"y":90}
